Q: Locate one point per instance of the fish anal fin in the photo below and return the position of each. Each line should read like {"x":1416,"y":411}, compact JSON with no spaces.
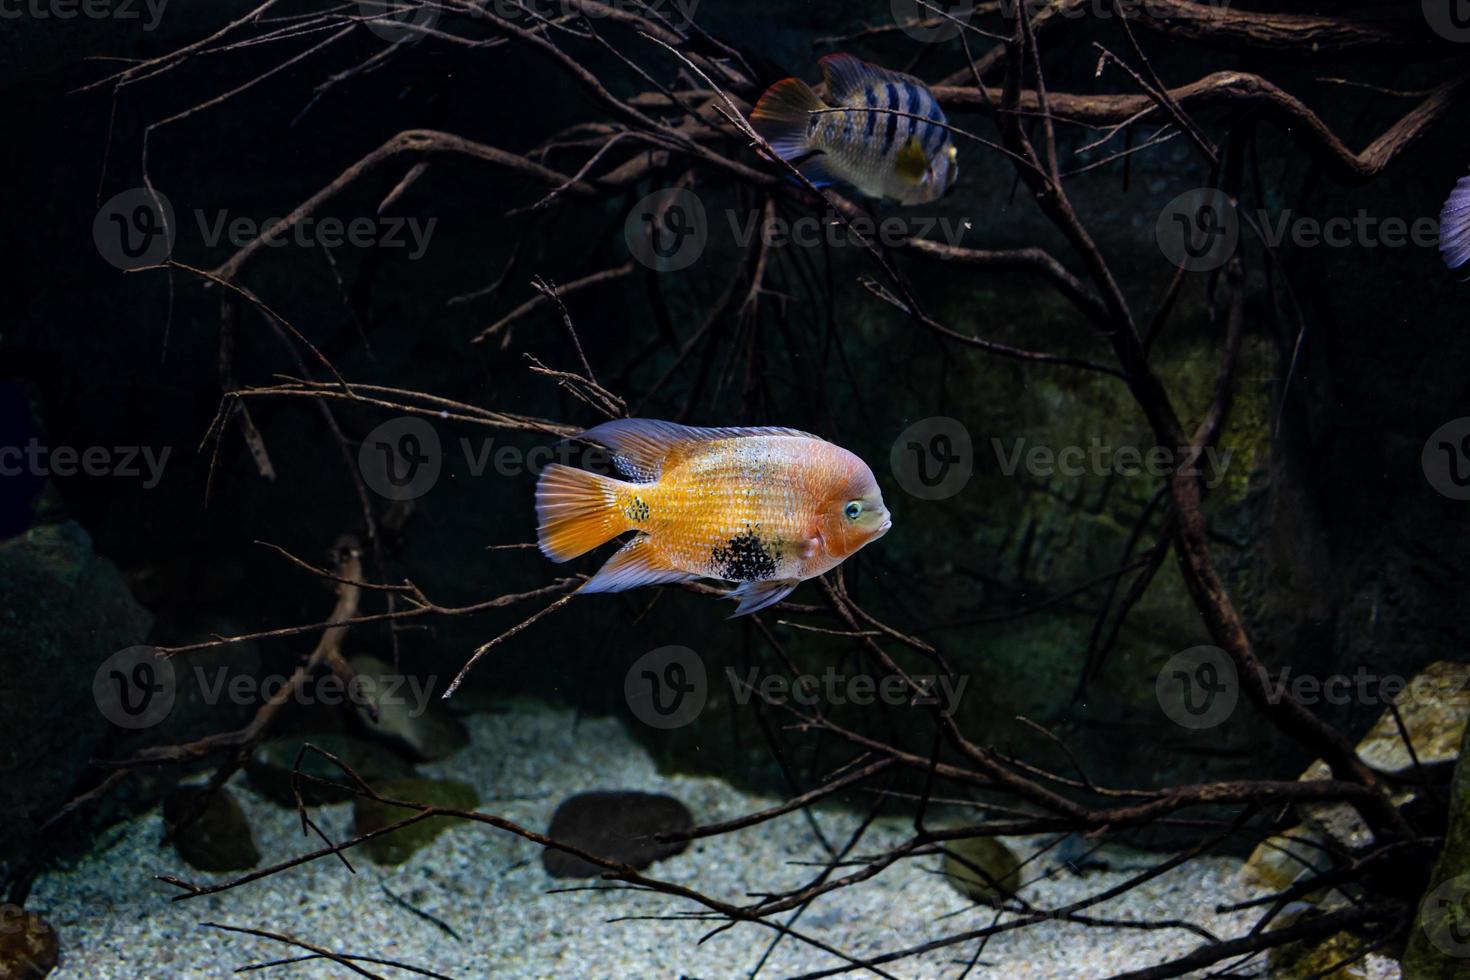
{"x":755,"y":596}
{"x":637,"y":563}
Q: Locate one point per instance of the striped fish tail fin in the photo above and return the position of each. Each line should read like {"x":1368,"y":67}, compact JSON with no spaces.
{"x":1454,"y":226}
{"x":576,"y":511}
{"x":783,"y":118}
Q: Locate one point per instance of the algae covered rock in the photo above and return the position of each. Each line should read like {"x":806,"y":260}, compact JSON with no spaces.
{"x":407,"y":712}
{"x":219,"y":839}
{"x":619,"y":826}
{"x":29,"y":946}
{"x":1338,"y":957}
{"x":270,"y":768}
{"x":1439,"y":943}
{"x":402,"y":844}
{"x":975,"y":867}
{"x":66,"y":611}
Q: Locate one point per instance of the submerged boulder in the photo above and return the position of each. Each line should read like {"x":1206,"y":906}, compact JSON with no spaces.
{"x":219,"y":839}
{"x":397,"y":847}
{"x":29,"y":946}
{"x":1434,"y":708}
{"x":407,"y":712}
{"x":66,"y":611}
{"x":619,"y":826}
{"x":981,"y":868}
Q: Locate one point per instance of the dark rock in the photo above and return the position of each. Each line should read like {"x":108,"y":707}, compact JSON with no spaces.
{"x":402,"y":844}
{"x":270,"y":768}
{"x":66,"y":610}
{"x":219,"y":839}
{"x":407,"y":711}
{"x":619,"y":826}
{"x":997,"y":864}
{"x":29,"y":946}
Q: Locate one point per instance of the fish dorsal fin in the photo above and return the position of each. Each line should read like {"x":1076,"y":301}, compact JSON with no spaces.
{"x":847,"y":75}
{"x":911,"y":163}
{"x":641,"y":447}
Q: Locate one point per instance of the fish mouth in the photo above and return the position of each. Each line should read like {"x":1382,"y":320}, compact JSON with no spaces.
{"x":883,"y":529}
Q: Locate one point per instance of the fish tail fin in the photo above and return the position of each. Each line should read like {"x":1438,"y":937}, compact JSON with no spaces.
{"x":783,"y":118}
{"x":576,"y":511}
{"x":1454,"y":226}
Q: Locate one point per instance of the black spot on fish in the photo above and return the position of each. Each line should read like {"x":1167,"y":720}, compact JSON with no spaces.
{"x":637,"y":511}
{"x":871,"y":95}
{"x":744,"y":558}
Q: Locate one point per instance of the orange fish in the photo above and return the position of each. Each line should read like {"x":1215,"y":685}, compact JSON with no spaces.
{"x":766,"y":508}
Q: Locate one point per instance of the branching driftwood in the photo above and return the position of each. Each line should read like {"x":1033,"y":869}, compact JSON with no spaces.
{"x":695,"y":125}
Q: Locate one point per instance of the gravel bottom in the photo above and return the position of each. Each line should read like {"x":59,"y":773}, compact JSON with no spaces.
{"x":489,"y":887}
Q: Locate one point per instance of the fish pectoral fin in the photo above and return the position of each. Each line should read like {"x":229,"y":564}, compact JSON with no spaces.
{"x":807,"y":548}
{"x":912,"y":163}
{"x":755,"y":596}
{"x":637,"y":563}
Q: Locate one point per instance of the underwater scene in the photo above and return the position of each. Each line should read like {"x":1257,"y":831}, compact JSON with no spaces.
{"x":735,"y":489}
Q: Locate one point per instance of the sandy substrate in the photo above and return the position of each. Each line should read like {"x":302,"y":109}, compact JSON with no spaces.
{"x":490,"y":888}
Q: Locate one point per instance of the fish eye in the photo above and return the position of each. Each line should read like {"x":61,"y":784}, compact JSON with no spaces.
{"x":853,"y":510}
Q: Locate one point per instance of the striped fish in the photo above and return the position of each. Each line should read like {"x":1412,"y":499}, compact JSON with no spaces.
{"x":1454,"y":226}
{"x":764,"y":508}
{"x":886,"y":137}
